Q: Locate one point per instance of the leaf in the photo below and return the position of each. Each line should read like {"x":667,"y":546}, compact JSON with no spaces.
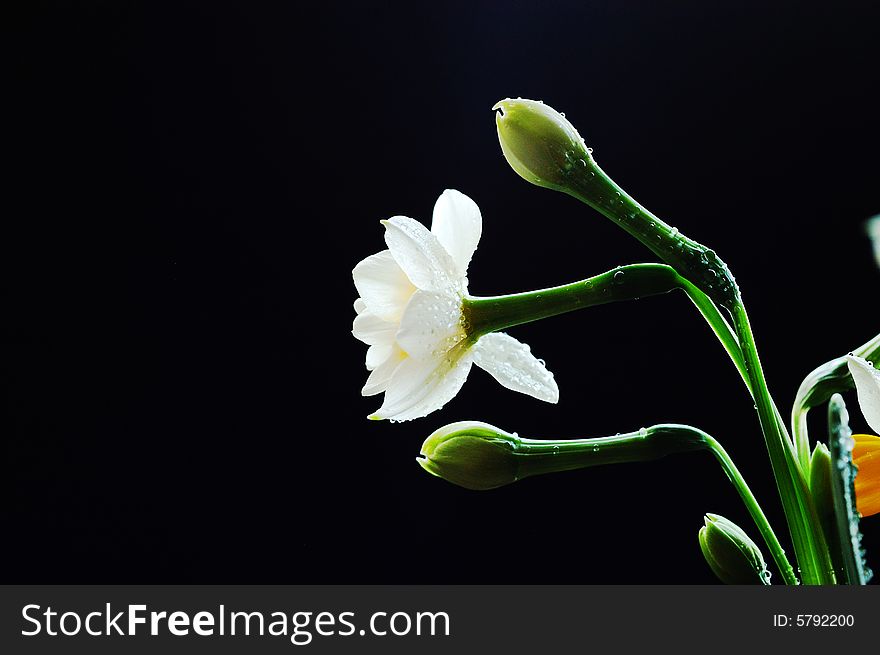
{"x":843,"y":475}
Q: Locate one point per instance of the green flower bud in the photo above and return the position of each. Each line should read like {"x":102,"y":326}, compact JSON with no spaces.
{"x":820,"y":483}
{"x":823,"y":496}
{"x":539,"y":143}
{"x":731,"y":555}
{"x":471,"y":454}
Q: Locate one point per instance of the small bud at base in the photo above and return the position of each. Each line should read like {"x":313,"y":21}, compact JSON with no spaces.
{"x":471,"y":454}
{"x":731,"y":554}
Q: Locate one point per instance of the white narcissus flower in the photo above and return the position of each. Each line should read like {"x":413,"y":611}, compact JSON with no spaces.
{"x":867,"y":380}
{"x":409,"y":313}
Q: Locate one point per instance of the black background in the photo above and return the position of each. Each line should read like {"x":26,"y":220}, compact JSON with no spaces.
{"x":192,"y":184}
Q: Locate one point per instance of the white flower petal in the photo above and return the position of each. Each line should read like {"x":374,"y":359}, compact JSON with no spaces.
{"x":431,"y":325}
{"x":458,"y":225}
{"x":377,"y":354}
{"x":383,"y":286}
{"x":867,"y":379}
{"x":420,"y":255}
{"x":359,"y":306}
{"x":511,"y":363}
{"x":379,"y":378}
{"x":372,"y":330}
{"x":874,"y":233}
{"x":421,"y":386}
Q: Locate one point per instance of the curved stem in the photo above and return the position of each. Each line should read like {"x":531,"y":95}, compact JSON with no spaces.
{"x":721,"y":328}
{"x":708,"y":273}
{"x":535,"y":457}
{"x":492,"y":313}
{"x":758,"y":517}
{"x":818,"y":387}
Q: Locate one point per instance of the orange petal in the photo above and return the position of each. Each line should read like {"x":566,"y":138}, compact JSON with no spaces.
{"x":866,"y":456}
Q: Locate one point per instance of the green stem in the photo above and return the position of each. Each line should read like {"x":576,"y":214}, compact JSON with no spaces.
{"x":535,"y":457}
{"x":697,"y":263}
{"x":800,"y":512}
{"x":754,"y":509}
{"x":493,"y":313}
{"x":706,"y":271}
{"x":721,"y":328}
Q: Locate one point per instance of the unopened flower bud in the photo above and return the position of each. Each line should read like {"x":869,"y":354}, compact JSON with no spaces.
{"x":539,"y":143}
{"x":731,"y":555}
{"x":820,"y":490}
{"x":471,"y":454}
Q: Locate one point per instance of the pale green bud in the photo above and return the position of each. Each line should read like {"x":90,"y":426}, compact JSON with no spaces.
{"x":820,"y":488}
{"x":539,"y":143}
{"x":731,"y":555}
{"x":471,"y":454}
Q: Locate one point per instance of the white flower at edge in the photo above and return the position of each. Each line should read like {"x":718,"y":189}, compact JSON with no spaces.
{"x":867,"y":380}
{"x":409,"y":313}
{"x":874,"y":233}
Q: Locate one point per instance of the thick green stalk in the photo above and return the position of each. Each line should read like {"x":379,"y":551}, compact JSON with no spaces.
{"x":694,"y":261}
{"x":535,"y":457}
